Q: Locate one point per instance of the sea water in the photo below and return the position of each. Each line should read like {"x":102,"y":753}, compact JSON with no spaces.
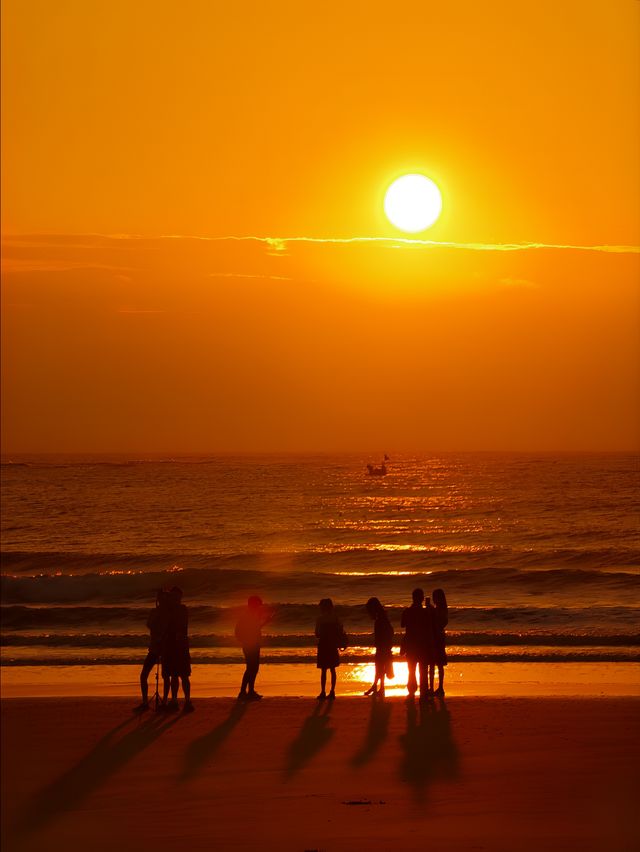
{"x":539,"y":555}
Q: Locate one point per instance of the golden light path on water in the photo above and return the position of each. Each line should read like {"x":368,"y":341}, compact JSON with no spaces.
{"x":378,"y":573}
{"x":407,"y":548}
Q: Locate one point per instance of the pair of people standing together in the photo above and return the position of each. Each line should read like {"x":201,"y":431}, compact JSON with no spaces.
{"x":424,"y":641}
{"x":168,"y":625}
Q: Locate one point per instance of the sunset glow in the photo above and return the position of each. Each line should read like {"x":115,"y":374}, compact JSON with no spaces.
{"x":192,"y":248}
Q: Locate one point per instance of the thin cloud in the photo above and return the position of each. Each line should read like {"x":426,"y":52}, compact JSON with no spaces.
{"x":33,"y":265}
{"x":279,"y":245}
{"x":248,"y":275}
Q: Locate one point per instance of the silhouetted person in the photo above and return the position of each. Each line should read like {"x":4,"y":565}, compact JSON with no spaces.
{"x":157,"y":623}
{"x":176,"y":658}
{"x":440,"y":614}
{"x":416,"y":642}
{"x":383,"y":641}
{"x":249,"y":634}
{"x":331,"y":637}
{"x":429,"y":648}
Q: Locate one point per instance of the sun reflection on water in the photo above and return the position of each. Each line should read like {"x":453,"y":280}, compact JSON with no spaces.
{"x":360,"y":677}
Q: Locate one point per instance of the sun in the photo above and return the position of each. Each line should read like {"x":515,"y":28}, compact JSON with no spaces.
{"x":413,"y":203}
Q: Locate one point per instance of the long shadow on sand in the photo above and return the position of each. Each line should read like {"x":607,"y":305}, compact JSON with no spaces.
{"x":108,"y":755}
{"x":203,"y":749}
{"x":314,"y":735}
{"x":430,"y":751}
{"x":376,"y":731}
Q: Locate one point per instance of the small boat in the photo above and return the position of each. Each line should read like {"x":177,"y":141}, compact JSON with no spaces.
{"x":372,"y":470}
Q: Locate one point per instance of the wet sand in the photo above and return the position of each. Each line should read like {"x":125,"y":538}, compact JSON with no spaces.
{"x":294,"y":774}
{"x":302,"y":680}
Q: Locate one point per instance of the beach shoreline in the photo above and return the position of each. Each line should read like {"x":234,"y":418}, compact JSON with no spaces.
{"x":302,"y":680}
{"x":297,"y":774}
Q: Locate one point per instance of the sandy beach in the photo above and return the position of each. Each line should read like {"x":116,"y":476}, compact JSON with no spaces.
{"x":295,"y":774}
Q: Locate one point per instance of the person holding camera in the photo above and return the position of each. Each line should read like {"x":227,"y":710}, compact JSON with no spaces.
{"x":249,"y":633}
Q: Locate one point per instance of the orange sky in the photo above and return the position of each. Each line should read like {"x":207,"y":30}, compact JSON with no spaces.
{"x":152,"y":120}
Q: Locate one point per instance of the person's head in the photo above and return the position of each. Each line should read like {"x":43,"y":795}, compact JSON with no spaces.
{"x":176,"y":595}
{"x":418,"y":596}
{"x":161,"y":597}
{"x":254,"y":603}
{"x":326,"y":606}
{"x":439,"y":598}
{"x":374,"y":607}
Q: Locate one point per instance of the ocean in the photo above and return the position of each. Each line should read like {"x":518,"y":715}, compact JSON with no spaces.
{"x":538,"y":554}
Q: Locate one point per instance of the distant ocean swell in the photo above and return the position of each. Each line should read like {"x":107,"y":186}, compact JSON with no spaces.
{"x":213,"y":585}
{"x":329,"y":558}
{"x":292,"y":619}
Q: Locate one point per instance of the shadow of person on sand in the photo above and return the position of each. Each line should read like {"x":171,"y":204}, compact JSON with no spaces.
{"x":376,"y":731}
{"x":314,"y":735}
{"x":430,"y":751}
{"x":201,"y":750}
{"x":108,"y":755}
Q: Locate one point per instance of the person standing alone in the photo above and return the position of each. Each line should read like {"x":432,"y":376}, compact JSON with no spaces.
{"x":249,"y":634}
{"x":331,"y":637}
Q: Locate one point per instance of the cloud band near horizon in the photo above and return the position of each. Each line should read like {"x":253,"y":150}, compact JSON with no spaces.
{"x":279,"y":244}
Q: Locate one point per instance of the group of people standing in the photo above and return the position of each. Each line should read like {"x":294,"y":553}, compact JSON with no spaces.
{"x":423,"y":644}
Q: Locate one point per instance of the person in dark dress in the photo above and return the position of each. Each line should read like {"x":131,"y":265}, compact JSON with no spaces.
{"x":176,"y":658}
{"x":440,"y":612}
{"x":249,"y":634}
{"x":157,"y":623}
{"x":416,"y":643}
{"x":383,"y":641}
{"x":331,"y":638}
{"x":429,"y":648}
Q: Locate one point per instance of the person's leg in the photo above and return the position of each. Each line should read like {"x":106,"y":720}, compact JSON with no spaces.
{"x":412,"y":684}
{"x":431,"y":676}
{"x":144,"y":676}
{"x":175,"y":683}
{"x":166,"y":685}
{"x":245,"y":677}
{"x":186,"y":688}
{"x":441,"y":679}
{"x":253,"y":671}
{"x":323,"y":681}
{"x":424,"y":678}
{"x":381,"y":690}
{"x":333,"y":683}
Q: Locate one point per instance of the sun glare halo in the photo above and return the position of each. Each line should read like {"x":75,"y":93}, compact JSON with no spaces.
{"x":413,"y":203}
